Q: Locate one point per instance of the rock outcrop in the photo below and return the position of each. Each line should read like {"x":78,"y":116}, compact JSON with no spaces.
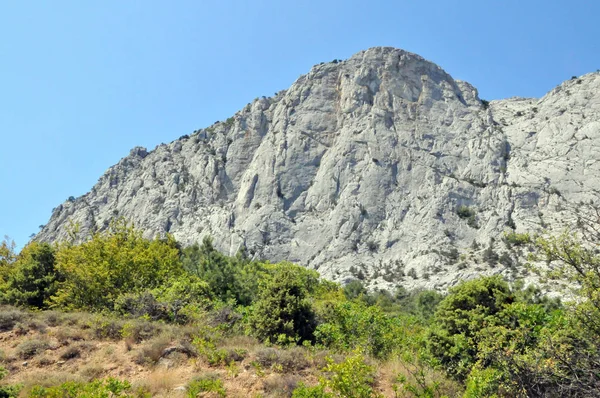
{"x":381,"y":166}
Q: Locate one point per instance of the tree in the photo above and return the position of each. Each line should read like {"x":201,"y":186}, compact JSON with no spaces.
{"x":468,"y":308}
{"x":32,"y":278}
{"x":354,"y":289}
{"x":112,"y":263}
{"x":222,"y":273}
{"x":7,"y":256}
{"x":282,"y":312}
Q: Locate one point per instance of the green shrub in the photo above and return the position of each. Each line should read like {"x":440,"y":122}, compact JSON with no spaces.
{"x":460,"y":317}
{"x":304,"y":391}
{"x":206,"y":384}
{"x":465,"y":212}
{"x":352,"y":378}
{"x":515,"y":239}
{"x":94,"y":389}
{"x":282,"y":313}
{"x":483,"y":383}
{"x":8,"y":391}
{"x":350,"y":325}
{"x":107,"y":328}
{"x":354,"y":289}
{"x":112,"y":263}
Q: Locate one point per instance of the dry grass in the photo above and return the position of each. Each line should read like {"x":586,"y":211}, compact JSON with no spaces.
{"x":277,"y":385}
{"x":81,"y":347}
{"x":390,"y":370}
{"x":151,"y":352}
{"x":46,"y":378}
{"x":288,"y":360}
{"x":65,"y":335}
{"x":162,"y":381}
{"x":91,"y":371}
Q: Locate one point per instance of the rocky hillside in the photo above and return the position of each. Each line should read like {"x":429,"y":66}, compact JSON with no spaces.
{"x":380,"y":167}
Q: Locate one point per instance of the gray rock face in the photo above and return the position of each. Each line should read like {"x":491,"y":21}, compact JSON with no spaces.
{"x":378,"y":166}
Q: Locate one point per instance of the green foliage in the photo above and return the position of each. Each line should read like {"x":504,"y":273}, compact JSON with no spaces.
{"x":95,"y":389}
{"x":354,"y":289}
{"x":282,"y":313}
{"x":421,"y":303}
{"x":8,"y":391}
{"x":459,"y":319}
{"x":175,"y":301}
{"x":207,"y":348}
{"x":7,"y":257}
{"x":228,"y":278}
{"x":32,"y":278}
{"x":206,"y":384}
{"x":351,"y":378}
{"x":465,"y":212}
{"x":515,"y":239}
{"x":111,"y":263}
{"x":304,"y":391}
{"x":573,"y":261}
{"x":349,"y":325}
{"x":483,"y":383}
{"x":468,"y":214}
{"x":420,"y":388}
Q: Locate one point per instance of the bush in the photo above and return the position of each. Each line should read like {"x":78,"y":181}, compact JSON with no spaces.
{"x":354,"y":289}
{"x":111,"y":263}
{"x":304,"y":391}
{"x":460,"y":317}
{"x":350,"y":325}
{"x":465,"y":212}
{"x":352,"y":378}
{"x":282,"y":313}
{"x":71,"y":352}
{"x":152,"y":351}
{"x":9,"y":318}
{"x":32,"y":347}
{"x":107,"y":328}
{"x":94,"y":389}
{"x":515,"y":239}
{"x":208,"y":383}
{"x":8,"y":391}
{"x":290,"y":360}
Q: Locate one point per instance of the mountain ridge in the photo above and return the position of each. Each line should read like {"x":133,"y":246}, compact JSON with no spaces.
{"x":381,"y":165}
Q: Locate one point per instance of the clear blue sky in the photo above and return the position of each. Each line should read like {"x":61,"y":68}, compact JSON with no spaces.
{"x":82,"y":82}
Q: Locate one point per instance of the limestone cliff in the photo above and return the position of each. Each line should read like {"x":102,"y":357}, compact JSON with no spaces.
{"x":380,"y":166}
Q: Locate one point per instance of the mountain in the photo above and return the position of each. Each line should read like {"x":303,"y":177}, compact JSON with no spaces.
{"x":380,"y":167}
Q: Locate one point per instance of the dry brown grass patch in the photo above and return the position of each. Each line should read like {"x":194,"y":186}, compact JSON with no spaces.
{"x":162,"y":381}
{"x":276,"y":385}
{"x":45,"y":378}
{"x":288,"y":360}
{"x":391,"y":369}
{"x":151,"y":352}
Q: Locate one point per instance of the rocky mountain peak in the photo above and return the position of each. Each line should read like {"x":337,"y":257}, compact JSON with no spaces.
{"x":381,"y":167}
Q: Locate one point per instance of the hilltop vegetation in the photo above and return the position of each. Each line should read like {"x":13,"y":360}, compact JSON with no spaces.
{"x":234,"y":326}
